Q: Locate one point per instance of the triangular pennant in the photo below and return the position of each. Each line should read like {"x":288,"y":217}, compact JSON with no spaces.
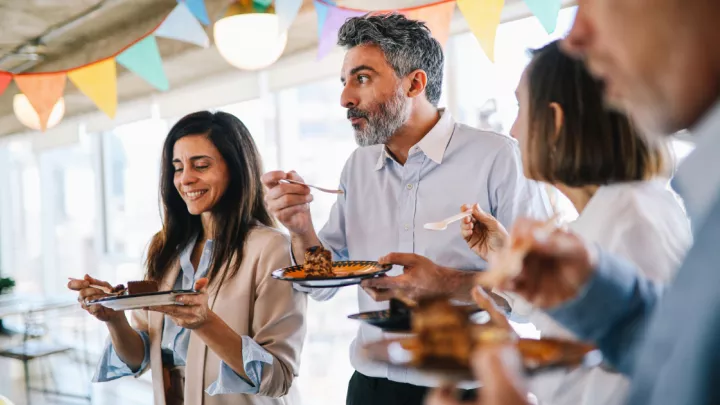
{"x":336,"y":17}
{"x":286,"y":11}
{"x":483,"y":17}
{"x":5,"y":79}
{"x":197,"y":7}
{"x":437,"y":18}
{"x":182,"y":25}
{"x":321,"y":9}
{"x":546,"y":11}
{"x":144,"y":60}
{"x":99,"y":82}
{"x":43,"y":91}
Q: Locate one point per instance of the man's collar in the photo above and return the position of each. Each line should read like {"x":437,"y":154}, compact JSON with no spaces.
{"x":433,"y":144}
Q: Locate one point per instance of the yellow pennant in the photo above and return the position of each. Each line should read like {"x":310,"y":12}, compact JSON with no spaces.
{"x":483,"y":17}
{"x":99,"y":82}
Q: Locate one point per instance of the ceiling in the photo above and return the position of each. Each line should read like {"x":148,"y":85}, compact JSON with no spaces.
{"x":50,"y":35}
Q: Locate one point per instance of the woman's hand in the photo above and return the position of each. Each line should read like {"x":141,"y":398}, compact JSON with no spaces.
{"x":500,"y":370}
{"x":193,"y":311}
{"x":87,"y":293}
{"x":482,"y":232}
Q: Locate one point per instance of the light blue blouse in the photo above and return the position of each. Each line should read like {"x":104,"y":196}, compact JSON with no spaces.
{"x":175,"y":342}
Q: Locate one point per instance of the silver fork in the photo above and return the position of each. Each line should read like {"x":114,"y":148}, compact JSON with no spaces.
{"x":324,"y":190}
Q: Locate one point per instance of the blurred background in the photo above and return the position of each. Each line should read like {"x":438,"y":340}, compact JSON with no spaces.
{"x":82,"y":196}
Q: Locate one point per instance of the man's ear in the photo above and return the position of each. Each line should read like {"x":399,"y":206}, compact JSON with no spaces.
{"x":418,"y":81}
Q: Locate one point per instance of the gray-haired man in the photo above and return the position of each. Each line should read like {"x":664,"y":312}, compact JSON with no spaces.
{"x":415,"y":165}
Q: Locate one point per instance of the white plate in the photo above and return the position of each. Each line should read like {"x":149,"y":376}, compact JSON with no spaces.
{"x":126,"y":302}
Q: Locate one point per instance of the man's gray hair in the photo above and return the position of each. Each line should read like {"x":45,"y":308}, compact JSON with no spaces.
{"x":407,"y":45}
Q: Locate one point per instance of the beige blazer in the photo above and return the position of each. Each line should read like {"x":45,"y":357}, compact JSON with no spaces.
{"x":252,"y":304}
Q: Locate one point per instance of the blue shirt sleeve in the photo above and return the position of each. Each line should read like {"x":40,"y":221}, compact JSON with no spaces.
{"x":612,"y":310}
{"x":111,"y":367}
{"x":229,"y":382}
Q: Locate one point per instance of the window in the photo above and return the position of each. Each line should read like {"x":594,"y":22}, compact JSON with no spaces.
{"x":316,"y":140}
{"x":485,"y":95}
{"x":132,"y":154}
{"x":258,"y":115}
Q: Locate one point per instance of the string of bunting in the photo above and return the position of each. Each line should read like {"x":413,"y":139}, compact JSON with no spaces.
{"x":98,"y":80}
{"x":482,"y":16}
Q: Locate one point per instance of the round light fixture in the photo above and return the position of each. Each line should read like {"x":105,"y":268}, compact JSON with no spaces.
{"x":26,"y":114}
{"x":248,"y":39}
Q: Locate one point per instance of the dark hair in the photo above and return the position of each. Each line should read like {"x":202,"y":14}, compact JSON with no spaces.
{"x":595,"y":145}
{"x":239,"y":209}
{"x":407,"y":45}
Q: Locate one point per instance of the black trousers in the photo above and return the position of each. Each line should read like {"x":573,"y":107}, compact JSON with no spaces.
{"x":364,"y":390}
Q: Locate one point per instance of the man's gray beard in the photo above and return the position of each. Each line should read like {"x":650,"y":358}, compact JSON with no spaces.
{"x":381,"y":125}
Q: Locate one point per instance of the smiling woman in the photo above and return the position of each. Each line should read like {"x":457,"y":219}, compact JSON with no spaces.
{"x":244,"y":330}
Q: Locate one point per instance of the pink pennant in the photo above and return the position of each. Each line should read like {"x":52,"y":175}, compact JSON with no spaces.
{"x":336,"y":17}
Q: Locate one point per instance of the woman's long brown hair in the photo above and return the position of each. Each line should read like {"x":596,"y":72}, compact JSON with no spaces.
{"x":239,"y":209}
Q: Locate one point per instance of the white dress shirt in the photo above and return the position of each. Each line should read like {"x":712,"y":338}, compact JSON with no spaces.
{"x":385,"y":205}
{"x":640,"y":221}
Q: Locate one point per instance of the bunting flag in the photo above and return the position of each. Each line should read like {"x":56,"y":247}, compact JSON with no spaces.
{"x":144,"y":60}
{"x":286,"y":11}
{"x":182,"y":25}
{"x":5,"y":79}
{"x":546,"y":11}
{"x":437,"y":17}
{"x":483,"y":17}
{"x":43,"y":91}
{"x":321,"y":9}
{"x":99,"y":82}
{"x":336,"y":17}
{"x":197,"y":7}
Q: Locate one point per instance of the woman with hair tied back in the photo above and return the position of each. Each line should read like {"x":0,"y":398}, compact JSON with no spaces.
{"x":239,"y":340}
{"x":617,"y":180}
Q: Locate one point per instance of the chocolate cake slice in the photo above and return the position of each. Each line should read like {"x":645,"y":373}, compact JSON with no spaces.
{"x":141,"y":287}
{"x":318,"y":262}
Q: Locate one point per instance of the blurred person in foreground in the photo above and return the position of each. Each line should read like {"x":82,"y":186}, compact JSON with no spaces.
{"x":660,"y":61}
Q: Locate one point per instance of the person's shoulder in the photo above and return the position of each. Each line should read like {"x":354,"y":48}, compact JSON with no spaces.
{"x":652,"y":204}
{"x":262,"y":237}
{"x":487,"y":140}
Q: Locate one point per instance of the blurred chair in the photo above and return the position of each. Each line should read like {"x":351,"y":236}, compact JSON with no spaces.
{"x":32,"y":349}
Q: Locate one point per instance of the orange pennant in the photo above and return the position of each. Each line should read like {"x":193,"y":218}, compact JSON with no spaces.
{"x":43,"y":91}
{"x":5,"y":79}
{"x":437,"y":18}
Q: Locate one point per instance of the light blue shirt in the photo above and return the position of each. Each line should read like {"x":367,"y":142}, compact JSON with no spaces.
{"x":176,"y":340}
{"x":385,"y":205}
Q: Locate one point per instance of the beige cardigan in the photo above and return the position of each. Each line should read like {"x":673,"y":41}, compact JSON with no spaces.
{"x":253,"y":304}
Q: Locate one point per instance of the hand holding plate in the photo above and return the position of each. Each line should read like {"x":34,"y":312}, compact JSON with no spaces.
{"x":192,"y":310}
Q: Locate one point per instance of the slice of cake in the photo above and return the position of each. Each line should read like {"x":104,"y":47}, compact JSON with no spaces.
{"x":141,"y":287}
{"x":318,"y":262}
{"x":443,"y":332}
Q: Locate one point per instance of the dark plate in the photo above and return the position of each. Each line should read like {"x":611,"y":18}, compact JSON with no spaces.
{"x":538,"y":355}
{"x":396,"y":321}
{"x":345,"y":273}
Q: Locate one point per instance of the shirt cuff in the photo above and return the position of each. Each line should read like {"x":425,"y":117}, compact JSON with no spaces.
{"x":604,"y":299}
{"x":229,"y":382}
{"x":111,"y":367}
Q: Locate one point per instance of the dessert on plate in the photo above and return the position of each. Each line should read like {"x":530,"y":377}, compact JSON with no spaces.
{"x":318,"y":262}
